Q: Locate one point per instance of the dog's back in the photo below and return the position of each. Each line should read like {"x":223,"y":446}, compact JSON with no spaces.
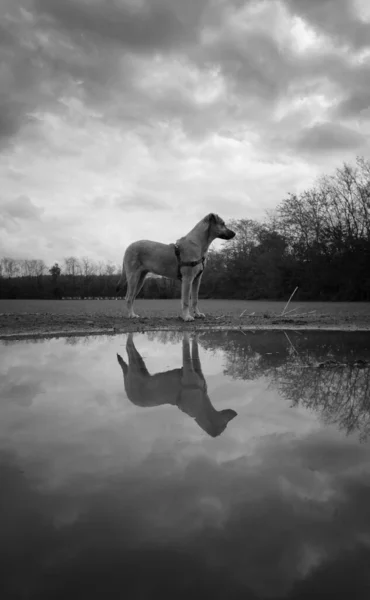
{"x":151,"y":257}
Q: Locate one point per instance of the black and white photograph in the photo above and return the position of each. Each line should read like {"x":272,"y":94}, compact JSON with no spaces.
{"x":184,"y":299}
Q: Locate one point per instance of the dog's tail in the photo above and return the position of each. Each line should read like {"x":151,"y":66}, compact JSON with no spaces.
{"x":122,"y":280}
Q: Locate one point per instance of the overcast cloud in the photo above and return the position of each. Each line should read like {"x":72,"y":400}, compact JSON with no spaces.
{"x":124,"y":119}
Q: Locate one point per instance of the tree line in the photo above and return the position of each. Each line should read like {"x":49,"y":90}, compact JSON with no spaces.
{"x":318,"y":241}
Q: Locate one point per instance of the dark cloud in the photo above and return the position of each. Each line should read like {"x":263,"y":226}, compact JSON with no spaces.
{"x":102,"y":51}
{"x":28,"y":81}
{"x":336,"y":18}
{"x":329,"y":137}
{"x":87,"y":50}
{"x":21,"y":208}
{"x":140,"y":201}
{"x":8,"y":120}
{"x":144,"y":26}
{"x":357,"y":102}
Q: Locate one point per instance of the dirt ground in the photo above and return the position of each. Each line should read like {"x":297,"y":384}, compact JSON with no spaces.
{"x":34,"y":318}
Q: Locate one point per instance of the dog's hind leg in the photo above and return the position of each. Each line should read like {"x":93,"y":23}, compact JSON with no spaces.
{"x":135,"y":281}
{"x":135,"y":359}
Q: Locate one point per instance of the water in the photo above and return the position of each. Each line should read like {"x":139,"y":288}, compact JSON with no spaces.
{"x":244,"y":475}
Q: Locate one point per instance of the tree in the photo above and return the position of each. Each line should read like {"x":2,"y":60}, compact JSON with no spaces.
{"x":10,"y":266}
{"x":110,"y":269}
{"x":55,"y":272}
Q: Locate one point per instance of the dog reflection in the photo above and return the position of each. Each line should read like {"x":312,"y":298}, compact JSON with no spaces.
{"x":185,"y":388}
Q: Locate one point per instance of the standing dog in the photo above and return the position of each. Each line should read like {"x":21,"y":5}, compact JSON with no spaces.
{"x":184,"y":260}
{"x":185,"y":388}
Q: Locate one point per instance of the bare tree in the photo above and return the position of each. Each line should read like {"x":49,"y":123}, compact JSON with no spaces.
{"x":72,"y":266}
{"x":29,"y":267}
{"x":40,"y":268}
{"x":100,"y":268}
{"x":110,"y":268}
{"x":88,"y":267}
{"x":10,"y":266}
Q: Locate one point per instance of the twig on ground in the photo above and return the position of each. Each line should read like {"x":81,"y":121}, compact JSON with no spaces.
{"x":287,"y":304}
{"x":244,"y":311}
{"x":243,"y":332}
{"x":290,"y":311}
{"x":292,"y":345}
{"x":298,"y":315}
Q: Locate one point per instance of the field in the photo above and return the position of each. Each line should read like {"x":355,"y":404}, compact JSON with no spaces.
{"x":46,"y":317}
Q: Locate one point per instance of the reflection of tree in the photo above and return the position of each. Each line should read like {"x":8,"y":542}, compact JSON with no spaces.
{"x":81,"y":340}
{"x":260,"y":353}
{"x":341,"y":394}
{"x":165,"y":337}
{"x":298,"y":366}
{"x":248,"y":356}
{"x":73,"y":340}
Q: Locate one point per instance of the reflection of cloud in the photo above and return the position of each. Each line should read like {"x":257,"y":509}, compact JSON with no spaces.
{"x":267,"y":524}
{"x":272,"y":506}
{"x":22,"y":393}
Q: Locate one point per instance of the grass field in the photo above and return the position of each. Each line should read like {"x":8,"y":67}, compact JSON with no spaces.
{"x":171,"y":308}
{"x":26,"y":317}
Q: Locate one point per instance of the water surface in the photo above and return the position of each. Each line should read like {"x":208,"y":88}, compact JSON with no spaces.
{"x":230,"y":465}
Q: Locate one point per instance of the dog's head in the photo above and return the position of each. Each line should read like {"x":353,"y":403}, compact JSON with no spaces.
{"x":218,"y":227}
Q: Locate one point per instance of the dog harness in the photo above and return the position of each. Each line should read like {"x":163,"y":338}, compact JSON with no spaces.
{"x":192,"y":263}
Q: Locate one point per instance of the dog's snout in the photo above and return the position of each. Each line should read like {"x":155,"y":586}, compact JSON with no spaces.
{"x":227,"y":235}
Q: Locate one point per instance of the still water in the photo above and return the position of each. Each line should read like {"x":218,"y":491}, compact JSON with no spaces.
{"x":163,"y":465}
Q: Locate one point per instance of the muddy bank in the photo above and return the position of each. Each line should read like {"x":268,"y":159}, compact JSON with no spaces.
{"x":21,"y":325}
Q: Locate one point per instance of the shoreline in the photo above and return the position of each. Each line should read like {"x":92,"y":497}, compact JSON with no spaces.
{"x":24,"y":319}
{"x":16,"y":327}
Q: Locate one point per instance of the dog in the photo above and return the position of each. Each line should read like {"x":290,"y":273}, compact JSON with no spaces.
{"x":185,"y":388}
{"x":184,"y":260}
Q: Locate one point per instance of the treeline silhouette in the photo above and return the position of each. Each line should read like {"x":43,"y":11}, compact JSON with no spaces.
{"x":318,"y":240}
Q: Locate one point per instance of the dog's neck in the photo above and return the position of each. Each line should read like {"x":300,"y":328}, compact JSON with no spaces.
{"x":201,"y":235}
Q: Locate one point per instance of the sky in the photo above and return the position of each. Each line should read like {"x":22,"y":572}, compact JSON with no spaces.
{"x":132,"y":119}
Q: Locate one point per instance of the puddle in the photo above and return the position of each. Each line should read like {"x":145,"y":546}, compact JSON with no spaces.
{"x":239,"y":468}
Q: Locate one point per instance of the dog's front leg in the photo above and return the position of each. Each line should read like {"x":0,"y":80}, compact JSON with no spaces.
{"x":185,"y":298}
{"x":194,"y":297}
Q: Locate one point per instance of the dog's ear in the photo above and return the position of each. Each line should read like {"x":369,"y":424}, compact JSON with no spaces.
{"x":124,"y":366}
{"x":211,"y":218}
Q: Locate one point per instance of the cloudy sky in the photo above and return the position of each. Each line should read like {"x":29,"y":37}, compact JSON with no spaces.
{"x":127,"y":119}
